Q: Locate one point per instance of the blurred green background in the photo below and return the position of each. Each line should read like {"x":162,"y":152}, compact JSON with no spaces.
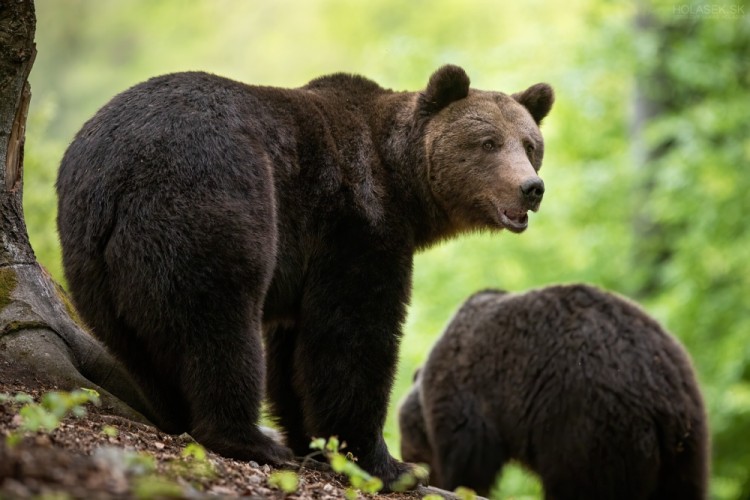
{"x":647,"y":163}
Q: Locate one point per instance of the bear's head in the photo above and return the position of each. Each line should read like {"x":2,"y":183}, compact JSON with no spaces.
{"x":483,"y":150}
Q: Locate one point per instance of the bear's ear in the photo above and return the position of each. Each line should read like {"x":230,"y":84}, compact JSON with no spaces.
{"x":538,"y":99}
{"x":447,"y":84}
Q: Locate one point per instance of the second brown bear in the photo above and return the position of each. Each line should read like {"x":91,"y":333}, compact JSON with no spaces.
{"x":579,"y":385}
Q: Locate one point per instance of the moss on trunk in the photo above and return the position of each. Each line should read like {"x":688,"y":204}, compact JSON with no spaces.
{"x":8,"y":283}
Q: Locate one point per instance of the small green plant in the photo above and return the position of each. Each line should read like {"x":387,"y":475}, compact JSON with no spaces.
{"x":147,"y":479}
{"x":153,"y":486}
{"x":409,"y":480}
{"x":284,"y":480}
{"x":194,"y":463}
{"x":139,"y":464}
{"x":346,"y":465}
{"x":194,"y":451}
{"x":432,"y":496}
{"x":170,"y":479}
{"x":18,"y":398}
{"x":465,"y":493}
{"x":110,"y":431}
{"x":52,"y":408}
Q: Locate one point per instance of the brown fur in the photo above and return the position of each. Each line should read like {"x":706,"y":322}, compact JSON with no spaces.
{"x":579,"y":385}
{"x":198,"y":214}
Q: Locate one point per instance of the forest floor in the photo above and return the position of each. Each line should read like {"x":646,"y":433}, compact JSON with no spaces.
{"x":105,"y":456}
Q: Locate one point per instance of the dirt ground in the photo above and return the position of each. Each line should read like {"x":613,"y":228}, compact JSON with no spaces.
{"x":102,"y":456}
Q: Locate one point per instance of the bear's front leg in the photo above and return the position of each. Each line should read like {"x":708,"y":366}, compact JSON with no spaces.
{"x":347,"y":349}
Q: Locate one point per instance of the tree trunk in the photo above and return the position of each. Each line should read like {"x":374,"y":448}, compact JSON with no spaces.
{"x":41,"y":343}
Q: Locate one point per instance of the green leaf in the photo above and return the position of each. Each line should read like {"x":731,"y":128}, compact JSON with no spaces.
{"x":318,"y":444}
{"x":92,"y":394}
{"x":35,"y":418}
{"x":140,"y":463}
{"x":23,"y":398}
{"x":195,"y":451}
{"x":110,"y":431}
{"x":465,"y":493}
{"x":56,"y":403}
{"x":372,"y":485}
{"x":78,"y":411}
{"x":147,"y":487}
{"x":333,"y":444}
{"x":285,"y":480}
{"x":338,"y":462}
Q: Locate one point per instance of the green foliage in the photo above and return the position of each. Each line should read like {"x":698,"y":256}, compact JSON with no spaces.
{"x":345,"y":464}
{"x":110,"y":431}
{"x":695,"y":192}
{"x":52,"y":408}
{"x":147,"y":480}
{"x":465,"y":493}
{"x":408,"y":481}
{"x":49,"y":412}
{"x":194,"y":463}
{"x":514,"y":478}
{"x":698,"y":200}
{"x":153,"y":486}
{"x":21,"y":398}
{"x":170,"y":479}
{"x":194,"y":451}
{"x":284,"y":480}
{"x":138,"y":463}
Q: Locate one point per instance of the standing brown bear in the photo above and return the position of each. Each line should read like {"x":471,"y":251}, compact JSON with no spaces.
{"x":579,"y":385}
{"x":197,"y":214}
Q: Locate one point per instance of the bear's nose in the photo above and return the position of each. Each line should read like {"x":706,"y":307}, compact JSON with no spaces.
{"x":532,"y":190}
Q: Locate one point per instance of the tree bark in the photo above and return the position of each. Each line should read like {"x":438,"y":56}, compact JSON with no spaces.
{"x":17,"y":26}
{"x":41,"y":341}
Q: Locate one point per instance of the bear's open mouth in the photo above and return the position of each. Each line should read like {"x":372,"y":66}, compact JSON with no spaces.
{"x":514,"y":221}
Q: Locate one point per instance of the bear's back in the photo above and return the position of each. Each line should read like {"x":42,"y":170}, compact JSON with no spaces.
{"x":589,"y":330}
{"x":168,"y":124}
{"x":535,"y":360}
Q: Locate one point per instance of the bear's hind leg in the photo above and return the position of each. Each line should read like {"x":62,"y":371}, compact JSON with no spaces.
{"x":283,"y":398}
{"x":219,"y":321}
{"x":225,"y":383}
{"x":91,"y":289}
{"x":190,"y":283}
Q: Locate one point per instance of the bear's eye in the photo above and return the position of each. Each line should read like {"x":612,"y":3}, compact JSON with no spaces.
{"x":530,"y":148}
{"x":489,"y":145}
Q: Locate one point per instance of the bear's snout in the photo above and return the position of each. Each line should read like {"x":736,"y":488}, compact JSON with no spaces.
{"x":532,"y":190}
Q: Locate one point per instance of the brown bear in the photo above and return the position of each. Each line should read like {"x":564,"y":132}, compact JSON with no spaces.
{"x":579,"y":385}
{"x":201,"y":219}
